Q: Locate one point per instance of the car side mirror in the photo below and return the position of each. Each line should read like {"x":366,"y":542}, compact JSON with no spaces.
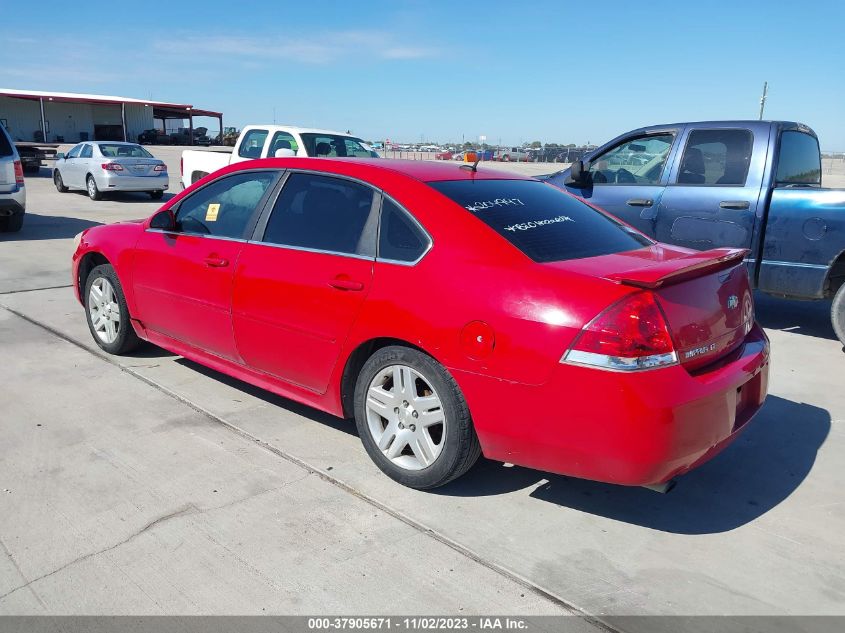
{"x":164,"y":221}
{"x":60,"y":156}
{"x":579,"y":175}
{"x":284,"y":152}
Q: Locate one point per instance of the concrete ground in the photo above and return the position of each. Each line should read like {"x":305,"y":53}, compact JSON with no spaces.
{"x":148,"y":484}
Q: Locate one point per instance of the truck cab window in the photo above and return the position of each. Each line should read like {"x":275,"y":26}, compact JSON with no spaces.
{"x":716,"y":157}
{"x":637,"y":161}
{"x":799,"y":161}
{"x":252,"y":143}
{"x":282,"y":140}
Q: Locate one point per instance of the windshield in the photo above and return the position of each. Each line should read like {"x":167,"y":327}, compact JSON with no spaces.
{"x":336,"y":145}
{"x":119,"y":150}
{"x":542,"y":221}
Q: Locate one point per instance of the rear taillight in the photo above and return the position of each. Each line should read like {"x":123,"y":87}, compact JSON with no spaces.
{"x":160,"y":168}
{"x":112,"y":166}
{"x":18,"y":173}
{"x":631,"y":334}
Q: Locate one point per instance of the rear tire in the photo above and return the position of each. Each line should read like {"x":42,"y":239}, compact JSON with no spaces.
{"x":120,"y":337}
{"x":156,"y":195}
{"x":11,"y":223}
{"x":451,"y":447}
{"x":57,"y":180}
{"x":91,"y":188}
{"x":837,"y":314}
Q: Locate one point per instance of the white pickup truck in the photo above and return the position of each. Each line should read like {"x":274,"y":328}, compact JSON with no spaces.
{"x":263,"y":141}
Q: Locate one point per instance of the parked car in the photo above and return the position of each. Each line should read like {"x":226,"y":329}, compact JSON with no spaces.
{"x":105,"y":166}
{"x":447,"y":155}
{"x":12,"y":186}
{"x":580,"y":347}
{"x":745,"y":184}
{"x":511,"y":154}
{"x":262,"y":141}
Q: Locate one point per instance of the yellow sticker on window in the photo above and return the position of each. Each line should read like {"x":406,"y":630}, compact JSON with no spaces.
{"x":211,"y":212}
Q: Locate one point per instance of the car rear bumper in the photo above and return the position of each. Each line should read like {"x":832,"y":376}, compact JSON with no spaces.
{"x":13,"y":203}
{"x":112,"y":182}
{"x":633,"y":429}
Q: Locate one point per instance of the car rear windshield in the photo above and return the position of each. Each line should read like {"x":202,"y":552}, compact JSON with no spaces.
{"x":117,"y":150}
{"x":5,"y":145}
{"x":543,"y":222}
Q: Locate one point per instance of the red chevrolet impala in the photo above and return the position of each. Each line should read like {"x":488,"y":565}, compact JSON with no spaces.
{"x":450,"y":312}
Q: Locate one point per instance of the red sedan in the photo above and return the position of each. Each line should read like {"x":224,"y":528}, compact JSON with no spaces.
{"x":449,"y":312}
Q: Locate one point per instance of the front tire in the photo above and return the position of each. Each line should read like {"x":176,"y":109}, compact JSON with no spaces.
{"x":107,"y":313}
{"x":91,"y":188}
{"x":837,"y":314}
{"x":413,"y":419}
{"x":57,"y":180}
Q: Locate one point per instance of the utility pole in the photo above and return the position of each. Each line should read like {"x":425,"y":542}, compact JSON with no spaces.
{"x":763,"y":98}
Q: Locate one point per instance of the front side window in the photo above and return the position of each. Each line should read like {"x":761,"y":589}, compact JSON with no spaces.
{"x":226,"y":207}
{"x":87,"y":152}
{"x":119,"y":150}
{"x":282,"y":140}
{"x":638,"y":161}
{"x":333,"y":145}
{"x":323,"y":213}
{"x":542,"y":221}
{"x":799,"y":162}
{"x":400,"y":238}
{"x":252,"y":143}
{"x":716,"y":157}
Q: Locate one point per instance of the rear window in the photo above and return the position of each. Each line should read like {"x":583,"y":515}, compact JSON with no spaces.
{"x":540,"y":220}
{"x":118,"y":150}
{"x":799,"y":162}
{"x":5,"y":145}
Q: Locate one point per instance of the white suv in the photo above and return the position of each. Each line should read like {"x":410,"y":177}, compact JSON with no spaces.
{"x":12,"y":190}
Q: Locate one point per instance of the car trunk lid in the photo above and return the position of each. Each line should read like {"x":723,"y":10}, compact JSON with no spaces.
{"x":139,"y":166}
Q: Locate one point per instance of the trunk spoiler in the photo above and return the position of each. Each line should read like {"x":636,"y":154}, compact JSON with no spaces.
{"x":672,"y":271}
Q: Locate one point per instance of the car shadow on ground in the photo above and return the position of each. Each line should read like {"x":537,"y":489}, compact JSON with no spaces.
{"x":47,"y":227}
{"x":763,"y":467}
{"x":346,"y":426}
{"x":811,"y":318}
{"x":130,"y":197}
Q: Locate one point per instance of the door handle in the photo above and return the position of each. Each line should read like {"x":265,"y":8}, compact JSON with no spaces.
{"x":734,"y":204}
{"x":639,"y":202}
{"x":216,"y":262}
{"x":346,"y":284}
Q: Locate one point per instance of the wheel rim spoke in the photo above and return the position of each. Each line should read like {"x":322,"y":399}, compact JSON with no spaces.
{"x":104,"y":310}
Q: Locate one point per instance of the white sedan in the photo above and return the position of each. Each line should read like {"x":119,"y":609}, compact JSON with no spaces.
{"x":99,"y":167}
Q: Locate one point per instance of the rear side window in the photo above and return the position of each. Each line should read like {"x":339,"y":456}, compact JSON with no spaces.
{"x":225,"y":208}
{"x":540,"y":220}
{"x":252,"y":143}
{"x":325,"y":214}
{"x":400,"y":238}
{"x":87,"y":152}
{"x":799,"y":162}
{"x":716,"y":157}
{"x":5,"y":145}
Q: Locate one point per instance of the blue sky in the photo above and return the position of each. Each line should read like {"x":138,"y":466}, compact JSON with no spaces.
{"x":515,"y":71}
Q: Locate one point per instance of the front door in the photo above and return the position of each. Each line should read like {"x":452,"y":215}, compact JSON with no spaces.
{"x":182,"y":279}
{"x":298,"y":290}
{"x":628,"y":179}
{"x":712,"y":196}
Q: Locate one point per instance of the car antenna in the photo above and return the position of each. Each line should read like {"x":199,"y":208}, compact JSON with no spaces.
{"x":473,"y":167}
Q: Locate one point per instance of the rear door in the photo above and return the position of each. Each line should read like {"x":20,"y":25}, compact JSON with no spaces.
{"x":182,"y":280}
{"x":712,"y":197}
{"x":629,"y":177}
{"x":300,"y":285}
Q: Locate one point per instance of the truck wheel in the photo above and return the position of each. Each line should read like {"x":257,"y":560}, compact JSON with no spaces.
{"x":837,"y":314}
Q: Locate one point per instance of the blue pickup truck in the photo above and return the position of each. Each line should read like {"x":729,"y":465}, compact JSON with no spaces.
{"x":748,"y":184}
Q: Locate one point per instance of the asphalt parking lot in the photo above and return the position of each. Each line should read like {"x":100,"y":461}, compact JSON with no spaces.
{"x":148,"y":484}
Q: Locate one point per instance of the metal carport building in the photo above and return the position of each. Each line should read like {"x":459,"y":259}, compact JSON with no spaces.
{"x":67,"y":117}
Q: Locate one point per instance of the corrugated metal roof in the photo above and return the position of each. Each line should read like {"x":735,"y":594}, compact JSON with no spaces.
{"x":90,"y":98}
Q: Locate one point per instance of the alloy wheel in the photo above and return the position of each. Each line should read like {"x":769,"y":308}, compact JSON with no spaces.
{"x":405,"y":417}
{"x":104,"y":310}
